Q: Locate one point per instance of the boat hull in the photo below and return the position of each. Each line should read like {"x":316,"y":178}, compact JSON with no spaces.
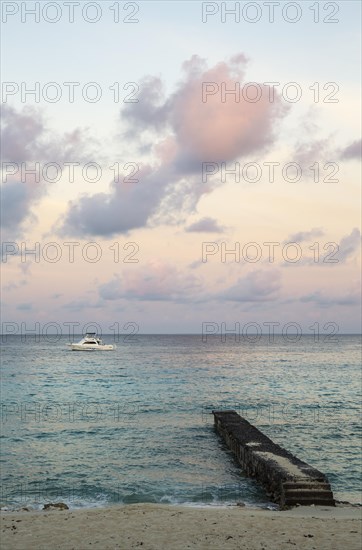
{"x":91,"y":347}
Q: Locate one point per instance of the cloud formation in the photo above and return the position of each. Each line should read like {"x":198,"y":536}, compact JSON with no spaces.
{"x":329,"y":252}
{"x":322,"y":300}
{"x":26,"y":139}
{"x":305,"y":235}
{"x":155,"y":281}
{"x":352,"y":151}
{"x":187,"y":129}
{"x":257,"y":286}
{"x":349,"y":245}
{"x":24,"y":307}
{"x":308,"y":153}
{"x":205,"y":225}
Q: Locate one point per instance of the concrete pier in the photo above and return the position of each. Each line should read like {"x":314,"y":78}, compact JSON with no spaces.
{"x":286,"y":479}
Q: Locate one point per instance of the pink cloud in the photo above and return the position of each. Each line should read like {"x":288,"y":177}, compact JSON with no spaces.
{"x":187,"y":132}
{"x":208,"y":128}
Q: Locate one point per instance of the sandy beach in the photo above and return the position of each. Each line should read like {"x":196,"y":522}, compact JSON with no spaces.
{"x":163,"y":527}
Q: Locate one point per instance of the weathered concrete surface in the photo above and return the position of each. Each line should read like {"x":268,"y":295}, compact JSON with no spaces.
{"x":286,"y":479}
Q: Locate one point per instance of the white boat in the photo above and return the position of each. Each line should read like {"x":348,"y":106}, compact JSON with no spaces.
{"x":91,"y":342}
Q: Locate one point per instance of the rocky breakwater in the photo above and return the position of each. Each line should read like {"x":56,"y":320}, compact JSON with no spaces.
{"x":287,"y":480}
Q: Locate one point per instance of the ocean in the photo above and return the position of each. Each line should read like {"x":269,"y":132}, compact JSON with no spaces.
{"x":135,"y":424}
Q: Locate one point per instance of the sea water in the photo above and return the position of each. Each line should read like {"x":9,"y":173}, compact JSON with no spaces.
{"x":135,"y":424}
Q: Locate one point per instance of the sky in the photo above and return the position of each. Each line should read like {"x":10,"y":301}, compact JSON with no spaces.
{"x":181,"y":167}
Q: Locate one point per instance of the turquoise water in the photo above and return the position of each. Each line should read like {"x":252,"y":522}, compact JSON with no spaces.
{"x":135,"y":424}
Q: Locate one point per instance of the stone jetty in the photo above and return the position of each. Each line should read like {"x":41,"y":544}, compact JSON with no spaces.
{"x":287,"y":480}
